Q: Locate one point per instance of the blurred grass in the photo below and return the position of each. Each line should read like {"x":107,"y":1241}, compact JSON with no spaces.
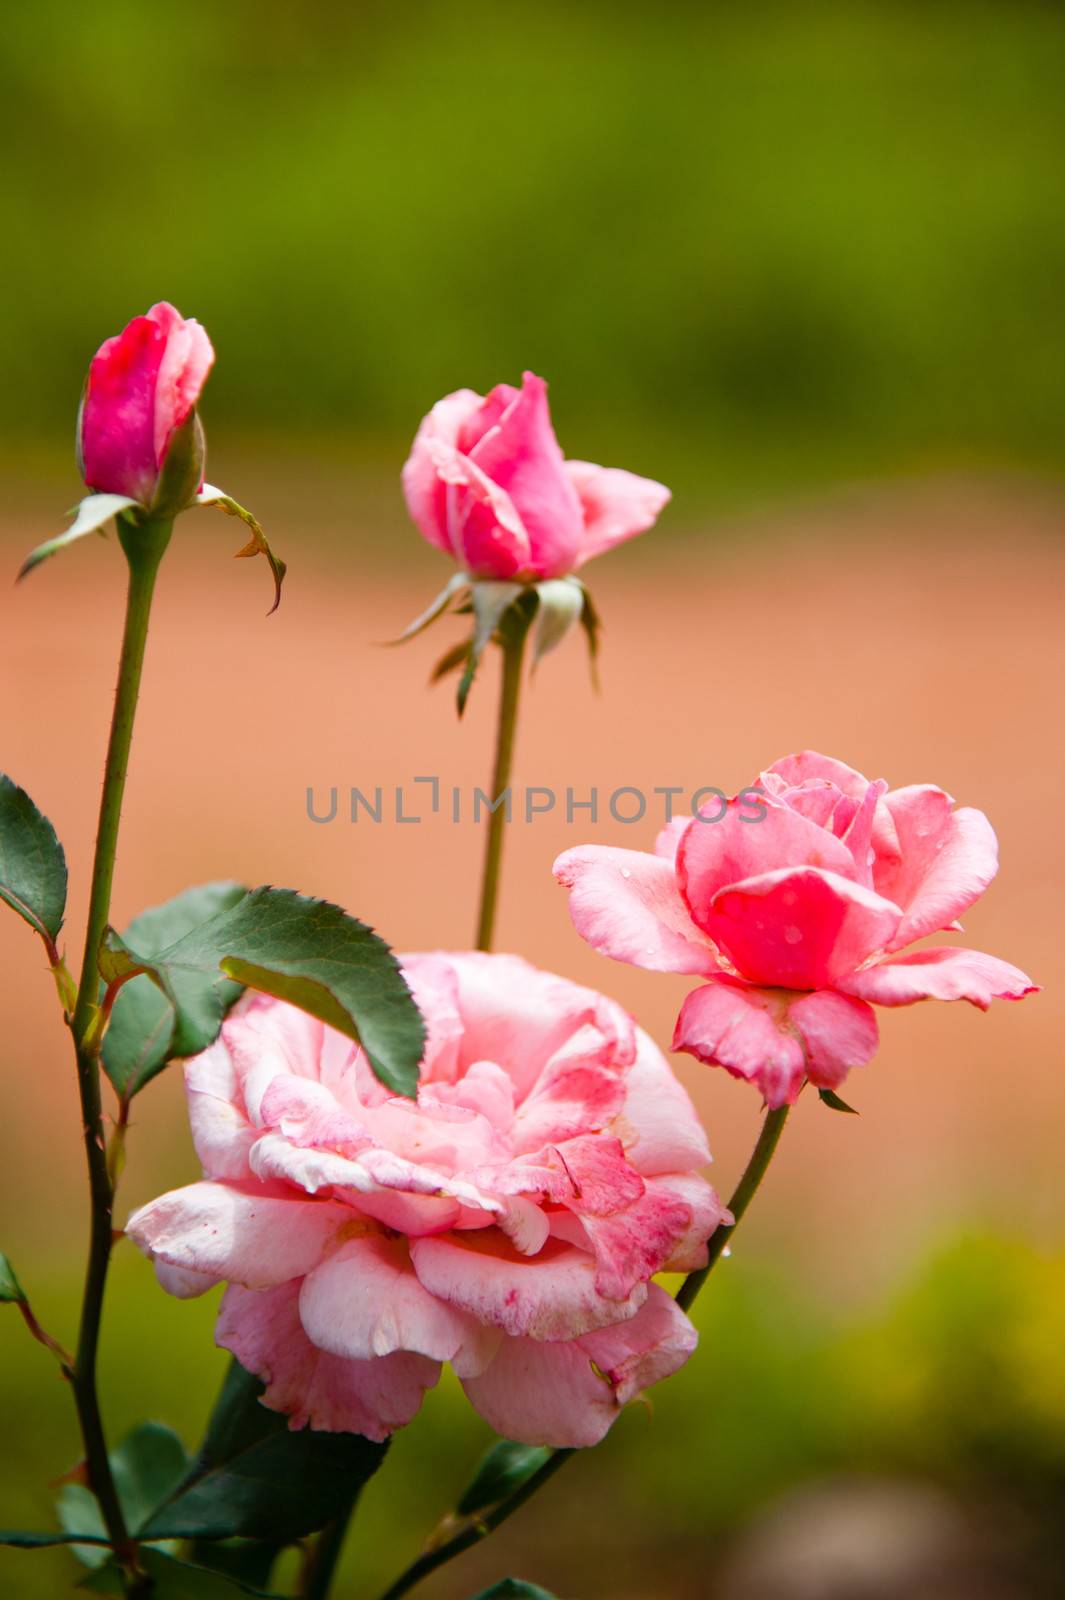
{"x":753,"y":248}
{"x":958,"y":1377}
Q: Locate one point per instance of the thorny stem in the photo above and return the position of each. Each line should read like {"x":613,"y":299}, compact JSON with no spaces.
{"x":144,"y":547}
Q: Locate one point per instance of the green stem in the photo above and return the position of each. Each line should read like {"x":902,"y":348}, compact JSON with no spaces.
{"x":474,"y":1532}
{"x":744,"y":1193}
{"x":144,"y":547}
{"x":513,"y":630}
{"x":325,"y":1557}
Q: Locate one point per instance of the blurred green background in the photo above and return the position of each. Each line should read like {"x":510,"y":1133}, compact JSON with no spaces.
{"x":753,"y":248}
{"x":760,"y":252}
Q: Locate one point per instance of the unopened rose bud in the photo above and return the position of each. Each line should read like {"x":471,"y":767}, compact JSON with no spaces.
{"x":138,"y":434}
{"x":487,"y":483}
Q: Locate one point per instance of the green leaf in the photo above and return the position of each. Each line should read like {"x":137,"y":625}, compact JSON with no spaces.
{"x":24,"y":1540}
{"x":249,"y":1560}
{"x":173,"y":1580}
{"x":80,"y":1516}
{"x":257,"y":545}
{"x":830,"y":1098}
{"x":256,"y":1478}
{"x":33,"y":868}
{"x":514,"y":1589}
{"x":503,"y":1469}
{"x":90,"y":515}
{"x":561,"y":602}
{"x":10,"y":1288}
{"x":490,"y":602}
{"x":137,"y":1042}
{"x":305,"y":951}
{"x":147,"y":1466}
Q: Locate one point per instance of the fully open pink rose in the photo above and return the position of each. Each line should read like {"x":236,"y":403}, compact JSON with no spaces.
{"x":796,"y":920}
{"x":509,"y":1221}
{"x":143,"y":385}
{"x":487,"y":483}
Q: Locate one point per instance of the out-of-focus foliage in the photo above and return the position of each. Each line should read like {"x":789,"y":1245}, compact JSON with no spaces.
{"x":958,"y":1379}
{"x":750,"y":246}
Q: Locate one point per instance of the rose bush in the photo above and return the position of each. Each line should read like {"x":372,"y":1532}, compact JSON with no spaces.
{"x":508,"y":1221}
{"x":487,"y":483}
{"x":796,"y":918}
{"x":142,"y":389}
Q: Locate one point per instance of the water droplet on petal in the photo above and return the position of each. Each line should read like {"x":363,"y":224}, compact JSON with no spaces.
{"x":625,"y":873}
{"x":792,"y":934}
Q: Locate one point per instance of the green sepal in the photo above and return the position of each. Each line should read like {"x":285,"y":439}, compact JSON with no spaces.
{"x":11,"y":1291}
{"x":89,"y":517}
{"x":257,"y":545}
{"x":514,"y":1589}
{"x":829,"y":1097}
{"x":504,"y":1468}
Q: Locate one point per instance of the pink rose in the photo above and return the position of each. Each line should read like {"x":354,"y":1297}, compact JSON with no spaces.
{"x":487,"y":483}
{"x":509,"y":1221}
{"x":142,"y":388}
{"x":795,"y":919}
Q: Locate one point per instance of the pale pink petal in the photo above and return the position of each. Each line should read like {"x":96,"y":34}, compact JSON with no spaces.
{"x":627,"y":905}
{"x":187,"y":359}
{"x":946,"y":859}
{"x":707,"y":1213}
{"x":714,"y":855}
{"x":616,"y":505}
{"x":667,"y":840}
{"x":180,"y":1282}
{"x":423,"y":488}
{"x":521,"y":455}
{"x":943,"y":973}
{"x":632,"y":1243}
{"x":809,"y":766}
{"x":733,"y":1025}
{"x":237,"y":1231}
{"x":801,"y":927}
{"x":657,"y":1125}
{"x":576,"y":1093}
{"x":485,"y":1088}
{"x":487,"y":535}
{"x":221,"y":1131}
{"x":568,"y":1394}
{"x":547,"y":1296}
{"x":312,"y":1388}
{"x":838,"y":1032}
{"x":519,"y":1017}
{"x":364,"y":1300}
{"x":434,"y":984}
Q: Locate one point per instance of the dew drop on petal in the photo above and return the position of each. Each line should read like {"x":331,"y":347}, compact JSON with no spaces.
{"x":792,"y":934}
{"x":625,"y":872}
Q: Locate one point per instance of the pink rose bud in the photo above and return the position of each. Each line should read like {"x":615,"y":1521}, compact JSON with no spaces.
{"x":487,"y":483}
{"x":138,"y":432}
